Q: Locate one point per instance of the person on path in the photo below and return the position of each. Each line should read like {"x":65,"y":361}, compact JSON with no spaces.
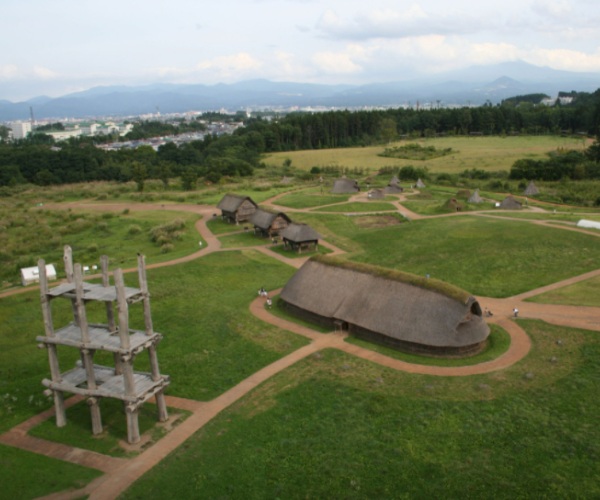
{"x":516,"y":312}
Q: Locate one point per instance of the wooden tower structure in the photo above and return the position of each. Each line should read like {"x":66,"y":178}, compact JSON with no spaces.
{"x":90,"y":380}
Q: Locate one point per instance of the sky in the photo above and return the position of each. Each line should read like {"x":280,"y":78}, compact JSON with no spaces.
{"x":61,"y":46}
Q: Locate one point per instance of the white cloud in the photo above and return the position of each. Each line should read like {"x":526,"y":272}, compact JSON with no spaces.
{"x":565,"y":59}
{"x":9,"y":72}
{"x":44,"y":73}
{"x":231,"y":64}
{"x":555,"y":9}
{"x":340,"y":63}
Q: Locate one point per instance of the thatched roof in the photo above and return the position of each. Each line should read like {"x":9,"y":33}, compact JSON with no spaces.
{"x":531,"y":190}
{"x":399,"y":305}
{"x":509,"y":203}
{"x":394,"y":181}
{"x":475,"y":198}
{"x":345,"y":186}
{"x":231,"y":202}
{"x":264,"y":219}
{"x":299,"y":233}
{"x":420,"y":183}
{"x":376,"y":194}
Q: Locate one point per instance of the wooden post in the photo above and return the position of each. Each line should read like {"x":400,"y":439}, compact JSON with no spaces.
{"x":59,"y":400}
{"x":123,"y":309}
{"x":161,"y":405}
{"x":133,"y":427}
{"x":68,"y":259}
{"x":80,"y":304}
{"x":110,"y":313}
{"x":94,"y":405}
{"x":144,"y":288}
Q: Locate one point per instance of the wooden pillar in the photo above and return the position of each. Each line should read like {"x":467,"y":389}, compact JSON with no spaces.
{"x":110,"y":313}
{"x":80,"y":304}
{"x":161,"y":405}
{"x":133,"y":427}
{"x":94,"y":405}
{"x":145,"y":293}
{"x":58,"y":396}
{"x":123,"y":310}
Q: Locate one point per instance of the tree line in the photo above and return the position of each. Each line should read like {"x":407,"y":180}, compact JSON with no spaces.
{"x":40,"y":161}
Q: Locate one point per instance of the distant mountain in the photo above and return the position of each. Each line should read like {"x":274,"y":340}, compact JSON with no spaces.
{"x":475,"y":85}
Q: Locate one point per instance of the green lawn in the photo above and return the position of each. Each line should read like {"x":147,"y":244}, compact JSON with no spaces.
{"x":371,"y":206}
{"x":334,"y":426}
{"x":485,"y":256}
{"x":584,"y":293}
{"x":25,"y":475}
{"x":311,"y":198}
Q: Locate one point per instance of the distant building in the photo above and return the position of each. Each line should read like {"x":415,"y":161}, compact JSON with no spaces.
{"x":20,"y":130}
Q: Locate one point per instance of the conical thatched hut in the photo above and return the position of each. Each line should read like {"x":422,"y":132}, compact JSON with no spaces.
{"x":531,"y":190}
{"x":420,"y":184}
{"x":344,"y":185}
{"x":394,"y":186}
{"x":475,"y":198}
{"x":402,"y":310}
{"x":376,"y":194}
{"x":300,"y":236}
{"x":509,"y":203}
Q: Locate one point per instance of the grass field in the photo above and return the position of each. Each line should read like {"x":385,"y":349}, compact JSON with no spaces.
{"x":30,"y":234}
{"x":334,"y":426}
{"x":484,"y":153}
{"x":486,"y":256}
{"x":584,"y":293}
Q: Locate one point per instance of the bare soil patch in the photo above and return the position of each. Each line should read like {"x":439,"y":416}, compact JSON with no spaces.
{"x":375,"y":221}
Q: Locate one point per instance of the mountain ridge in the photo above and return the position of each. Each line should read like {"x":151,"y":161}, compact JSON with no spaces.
{"x":472,"y":86}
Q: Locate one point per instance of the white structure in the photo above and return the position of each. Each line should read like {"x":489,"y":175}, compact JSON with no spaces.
{"x":20,"y":129}
{"x":31,"y":275}
{"x":590,"y":224}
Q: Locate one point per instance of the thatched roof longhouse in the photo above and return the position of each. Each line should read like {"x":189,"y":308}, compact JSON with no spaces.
{"x":406,"y":309}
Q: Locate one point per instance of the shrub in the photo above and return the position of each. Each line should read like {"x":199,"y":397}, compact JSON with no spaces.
{"x":166,"y":248}
{"x":134,"y":229}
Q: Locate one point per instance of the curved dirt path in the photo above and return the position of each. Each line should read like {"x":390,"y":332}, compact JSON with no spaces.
{"x":121,"y":473}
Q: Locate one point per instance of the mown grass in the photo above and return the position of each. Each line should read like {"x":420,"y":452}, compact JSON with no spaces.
{"x":584,"y":293}
{"x":435,"y":201}
{"x":243,"y":238}
{"x":498,"y":343}
{"x":334,"y":426}
{"x":29,"y":475}
{"x":357,"y":207}
{"x":485,"y":256}
{"x":211,"y":341}
{"x":311,"y":198}
{"x":484,"y":153}
{"x":78,"y":431}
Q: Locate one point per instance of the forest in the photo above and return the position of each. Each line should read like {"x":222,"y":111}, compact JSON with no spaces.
{"x":40,"y":161}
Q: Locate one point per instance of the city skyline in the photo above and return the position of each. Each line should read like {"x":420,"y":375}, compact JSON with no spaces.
{"x":67,"y":46}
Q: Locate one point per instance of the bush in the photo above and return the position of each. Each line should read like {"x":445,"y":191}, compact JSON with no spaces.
{"x":134,"y":229}
{"x":166,"y":248}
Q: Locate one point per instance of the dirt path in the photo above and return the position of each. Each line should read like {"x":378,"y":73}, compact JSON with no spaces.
{"x":119,"y":473}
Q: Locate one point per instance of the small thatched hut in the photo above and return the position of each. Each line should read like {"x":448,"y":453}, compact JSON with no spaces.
{"x":268,"y":223}
{"x":531,"y":189}
{"x":344,"y":185}
{"x":236,"y":209}
{"x":300,"y":237}
{"x":420,"y":184}
{"x":376,"y":194}
{"x":394,"y":186}
{"x":475,"y":198}
{"x":509,"y":203}
{"x":402,"y":310}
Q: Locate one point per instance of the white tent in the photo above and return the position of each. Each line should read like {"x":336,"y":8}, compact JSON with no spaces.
{"x":31,"y":275}
{"x":589,"y":224}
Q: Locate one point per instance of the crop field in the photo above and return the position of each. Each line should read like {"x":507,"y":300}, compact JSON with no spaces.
{"x":484,"y":153}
